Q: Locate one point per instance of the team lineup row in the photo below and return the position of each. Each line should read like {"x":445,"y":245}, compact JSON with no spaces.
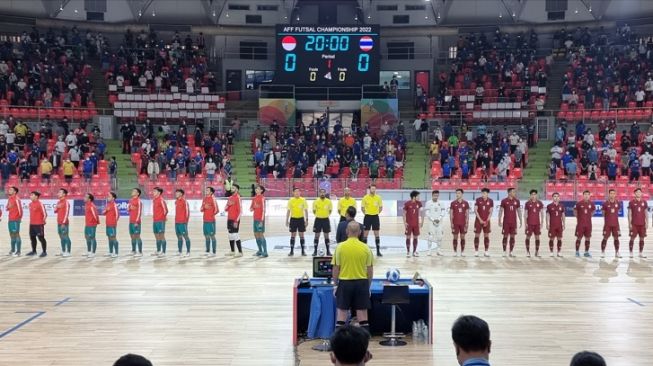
{"x":415,"y":215}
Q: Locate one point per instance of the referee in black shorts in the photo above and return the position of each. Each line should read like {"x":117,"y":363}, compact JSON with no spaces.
{"x":352,"y":272}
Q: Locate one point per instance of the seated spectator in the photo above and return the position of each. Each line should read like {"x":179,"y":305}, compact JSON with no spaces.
{"x":587,"y":358}
{"x":132,"y":360}
{"x":349,"y":346}
{"x":471,"y":340}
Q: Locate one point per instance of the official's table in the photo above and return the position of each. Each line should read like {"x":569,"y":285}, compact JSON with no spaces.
{"x":420,"y":307}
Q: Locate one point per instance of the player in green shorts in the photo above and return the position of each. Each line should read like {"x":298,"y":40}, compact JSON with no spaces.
{"x":258,"y":209}
{"x":92,"y":221}
{"x":111,"y":216}
{"x":62,"y":209}
{"x":209,"y":209}
{"x":160,"y":213}
{"x":135,"y":209}
{"x":15,"y":212}
{"x":182,"y":215}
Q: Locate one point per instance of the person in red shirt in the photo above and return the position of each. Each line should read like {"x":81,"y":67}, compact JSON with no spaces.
{"x":62,"y":209}
{"x":37,"y":217}
{"x":135,"y":209}
{"x":637,"y":222}
{"x":111,"y":216}
{"x":92,"y":221}
{"x":533,"y":215}
{"x":555,"y":222}
{"x":584,"y":210}
{"x":610,"y":210}
{"x":411,"y":216}
{"x":15,"y":215}
{"x":483,"y":208}
{"x":509,"y":211}
{"x":459,"y":221}
{"x":234,"y":210}
{"x":182,"y":216}
{"x":209,"y":210}
{"x":159,"y":217}
{"x":258,"y":208}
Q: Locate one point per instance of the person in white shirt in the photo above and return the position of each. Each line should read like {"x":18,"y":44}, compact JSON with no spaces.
{"x":4,"y":127}
{"x":434,"y":212}
{"x":639,"y":97}
{"x":120,"y":80}
{"x":71,"y":139}
{"x":648,"y":86}
{"x":60,"y":146}
{"x":611,"y":152}
{"x":367,"y":141}
{"x":190,"y":83}
{"x":645,"y":159}
{"x":142,"y":81}
{"x":158,"y":82}
{"x":589,"y":138}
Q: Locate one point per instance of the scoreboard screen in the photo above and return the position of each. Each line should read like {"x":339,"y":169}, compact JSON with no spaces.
{"x":318,"y":55}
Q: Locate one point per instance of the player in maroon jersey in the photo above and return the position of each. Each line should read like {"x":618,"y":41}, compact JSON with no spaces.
{"x":533,"y":215}
{"x":411,"y":216}
{"x":584,"y":210}
{"x":555,"y":222}
{"x":637,"y":222}
{"x":483,"y":209}
{"x":459,"y":221}
{"x":610,"y":210}
{"x":509,"y":211}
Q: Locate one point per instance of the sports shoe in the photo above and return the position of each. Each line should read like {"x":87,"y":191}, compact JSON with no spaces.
{"x":462,"y":254}
{"x":314,"y":253}
{"x":415,"y":254}
{"x":213,"y":255}
{"x":537,"y":254}
{"x":577,"y":254}
{"x":139,"y":255}
{"x":476,"y":254}
{"x":239,"y":254}
{"x":528,"y":254}
{"x":91,"y":255}
{"x":11,"y":254}
{"x":303,"y":253}
{"x":133,"y":254}
{"x":378,"y":254}
{"x":512,"y":255}
{"x":257,"y":254}
{"x":603,"y":255}
{"x":486,"y":254}
{"x":178,"y":254}
{"x":30,"y":254}
{"x":155,"y":254}
{"x":632,"y":255}
{"x":60,"y":254}
{"x":66,"y":255}
{"x":187,"y":254}
{"x":551,"y":255}
{"x":455,"y":254}
{"x":44,"y":254}
{"x":439,"y":253}
{"x":504,"y":254}
{"x":641,"y":255}
{"x":292,"y":253}
{"x":230,"y":254}
{"x":617,"y":255}
{"x":407,"y":254}
{"x":16,"y":254}
{"x":114,"y":255}
{"x":560,"y":255}
{"x":587,"y":255}
{"x":264,"y":255}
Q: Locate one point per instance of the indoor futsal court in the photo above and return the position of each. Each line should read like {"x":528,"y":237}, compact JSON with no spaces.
{"x":238,"y":311}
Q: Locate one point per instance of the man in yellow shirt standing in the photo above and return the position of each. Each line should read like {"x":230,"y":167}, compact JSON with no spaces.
{"x":46,"y":170}
{"x":322,"y":208}
{"x":352,"y":272}
{"x":68,"y":170}
{"x":297,"y":220}
{"x":372,"y":205}
{"x":344,"y":203}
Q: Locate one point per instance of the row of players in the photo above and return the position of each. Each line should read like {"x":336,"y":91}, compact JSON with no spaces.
{"x":209,"y":209}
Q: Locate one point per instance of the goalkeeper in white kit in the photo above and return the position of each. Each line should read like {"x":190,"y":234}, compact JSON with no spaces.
{"x":435,"y":212}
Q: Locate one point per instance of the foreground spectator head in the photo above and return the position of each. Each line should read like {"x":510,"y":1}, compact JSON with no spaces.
{"x":471,"y":338}
{"x":349,"y":346}
{"x":587,"y":358}
{"x":132,"y":360}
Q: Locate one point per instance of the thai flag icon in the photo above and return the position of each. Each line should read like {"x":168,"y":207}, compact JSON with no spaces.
{"x":288,"y":43}
{"x":366,"y":43}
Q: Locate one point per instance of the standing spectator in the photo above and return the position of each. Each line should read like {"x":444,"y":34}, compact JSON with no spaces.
{"x":87,"y":169}
{"x":635,"y":167}
{"x":645,"y":160}
{"x":587,"y":358}
{"x":471,"y":339}
{"x":68,"y":171}
{"x":153,"y":170}
{"x":46,"y":170}
{"x":210,"y":169}
{"x":348,"y":346}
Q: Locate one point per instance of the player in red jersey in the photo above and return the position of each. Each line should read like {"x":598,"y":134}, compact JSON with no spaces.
{"x":555,"y":222}
{"x":584,"y":210}
{"x":459,"y":221}
{"x":159,"y":218}
{"x":111,"y":217}
{"x":62,"y":209}
{"x":509,"y":211}
{"x":15,"y":215}
{"x":135,"y":209}
{"x":182,"y":216}
{"x":234,"y":211}
{"x":92,"y":220}
{"x":258,"y":209}
{"x":533,"y":215}
{"x":610,"y":210}
{"x":37,"y":217}
{"x":483,"y":208}
{"x":209,"y":209}
{"x":411,"y":216}
{"x":637,"y":222}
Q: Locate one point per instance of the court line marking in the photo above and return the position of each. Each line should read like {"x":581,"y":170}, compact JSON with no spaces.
{"x":635,"y":302}
{"x":23,"y":323}
{"x":63,"y":301}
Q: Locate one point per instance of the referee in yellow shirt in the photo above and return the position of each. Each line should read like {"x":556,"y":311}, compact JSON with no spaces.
{"x":352,"y":271}
{"x":322,"y":208}
{"x":297,"y":220}
{"x":344,"y":203}
{"x":372,"y":205}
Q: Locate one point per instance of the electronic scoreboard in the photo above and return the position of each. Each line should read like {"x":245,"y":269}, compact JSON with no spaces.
{"x":319,"y":55}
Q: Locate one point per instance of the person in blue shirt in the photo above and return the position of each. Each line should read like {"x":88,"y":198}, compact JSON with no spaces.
{"x":593,"y":155}
{"x":580,"y":130}
{"x":101,"y":148}
{"x":471,"y":339}
{"x":634,"y":170}
{"x":612,"y":170}
{"x":572,"y":168}
{"x":87,"y":169}
{"x":444,"y":155}
{"x":94,"y":160}
{"x":258,"y":156}
{"x":464,"y":169}
{"x":446,"y":170}
{"x":389,"y":160}
{"x":560,"y":134}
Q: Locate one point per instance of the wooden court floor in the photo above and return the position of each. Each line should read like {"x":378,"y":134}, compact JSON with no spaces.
{"x":228,"y":311}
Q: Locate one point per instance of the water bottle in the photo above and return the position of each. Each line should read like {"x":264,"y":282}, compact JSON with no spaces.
{"x":425,"y":333}
{"x":415,"y":332}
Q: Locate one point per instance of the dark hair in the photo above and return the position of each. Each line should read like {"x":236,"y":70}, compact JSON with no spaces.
{"x":158,"y":189}
{"x":211,"y":189}
{"x":64,"y":190}
{"x":138,"y":190}
{"x":237,"y":186}
{"x":180,"y":191}
{"x":435,"y":191}
{"x":372,"y":185}
{"x":113,"y":194}
{"x":351,"y":211}
{"x":14,"y":188}
{"x":295,"y":189}
{"x":586,"y":191}
{"x":459,"y":190}
{"x":90,"y":197}
{"x":261,"y":188}
{"x":587,"y":358}
{"x":533,"y":191}
{"x":414,"y":194}
{"x":471,"y":333}
{"x":611,"y":190}
{"x":485,"y":190}
{"x":349,"y":344}
{"x":510,"y":189}
{"x":132,"y":360}
{"x":555,"y":193}
{"x":637,"y":189}
{"x":36,"y":193}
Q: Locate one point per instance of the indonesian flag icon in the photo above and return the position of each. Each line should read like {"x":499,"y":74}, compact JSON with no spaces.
{"x":366,"y":43}
{"x":289,"y":43}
